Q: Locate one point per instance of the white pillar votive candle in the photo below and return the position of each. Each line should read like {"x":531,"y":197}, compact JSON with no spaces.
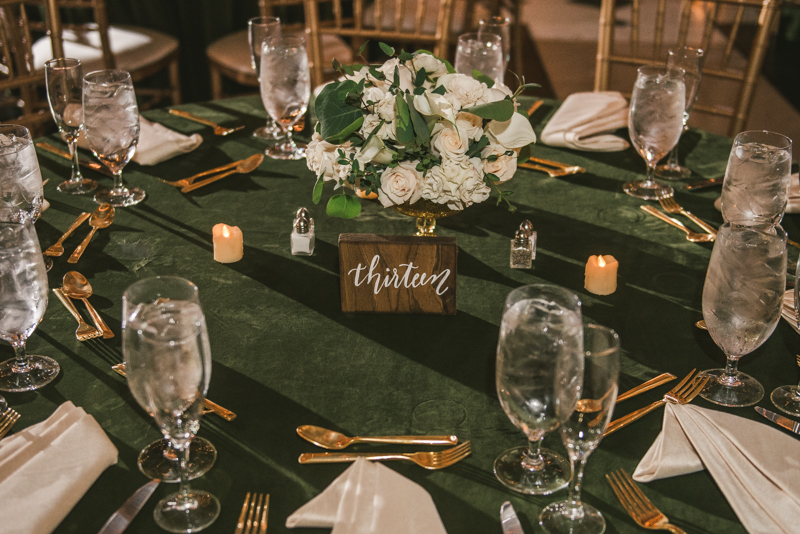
{"x":601,"y":275}
{"x":228,"y":243}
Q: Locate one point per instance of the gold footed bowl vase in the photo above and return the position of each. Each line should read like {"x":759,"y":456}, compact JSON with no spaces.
{"x":426,"y":213}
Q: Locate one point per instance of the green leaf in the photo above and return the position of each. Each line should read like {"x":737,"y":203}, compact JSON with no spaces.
{"x":338,"y":119}
{"x":475,"y":149}
{"x":316,"y":196}
{"x":419,"y":90}
{"x":447,"y":64}
{"x":405,"y":132}
{"x":440,"y":90}
{"x":524,"y":154}
{"x":405,"y":56}
{"x":343,"y":206}
{"x":378,"y":75}
{"x":497,"y":111}
{"x":420,"y":128}
{"x":363,"y":47}
{"x":481,"y":77}
{"x":420,"y":78}
{"x":388,"y":50}
{"x":347,"y":69}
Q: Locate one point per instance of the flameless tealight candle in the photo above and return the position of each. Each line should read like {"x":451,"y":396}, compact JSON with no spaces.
{"x":601,"y":275}
{"x":228,"y":243}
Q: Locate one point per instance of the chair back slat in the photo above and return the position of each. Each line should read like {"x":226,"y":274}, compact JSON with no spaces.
{"x":398,"y":14}
{"x":737,"y":21}
{"x":711,"y":16}
{"x":420,"y":17}
{"x":660,"y":16}
{"x":635,"y":11}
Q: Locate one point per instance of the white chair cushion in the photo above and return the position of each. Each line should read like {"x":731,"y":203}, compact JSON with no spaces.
{"x":133,"y":48}
{"x":233,"y":51}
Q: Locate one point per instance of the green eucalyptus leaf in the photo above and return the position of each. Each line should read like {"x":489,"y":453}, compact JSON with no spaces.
{"x":343,"y":206}
{"x":405,"y":56}
{"x":338,"y":118}
{"x":524,"y":154}
{"x":481,"y":77}
{"x":405,"y":132}
{"x":420,"y":77}
{"x":420,"y":127}
{"x":316,"y":196}
{"x":439,"y":90}
{"x":363,"y":47}
{"x":501,"y":111}
{"x":388,"y":50}
{"x":476,"y":148}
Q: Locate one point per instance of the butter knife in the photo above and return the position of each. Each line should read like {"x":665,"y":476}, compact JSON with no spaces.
{"x":102,"y":169}
{"x":785,"y":422}
{"x":120,"y":519}
{"x":509,"y":519}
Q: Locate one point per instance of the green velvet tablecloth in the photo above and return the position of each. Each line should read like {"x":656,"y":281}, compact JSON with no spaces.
{"x":285,"y":355}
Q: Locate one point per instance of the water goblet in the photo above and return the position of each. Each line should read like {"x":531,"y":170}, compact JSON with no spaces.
{"x":21,"y":190}
{"x":583,"y":430}
{"x":539,"y":368}
{"x":654,"y":123}
{"x":111,"y":127}
{"x":691,"y":61}
{"x":482,"y":52}
{"x":168,"y":364}
{"x":498,"y":26}
{"x":64,"y":78}
{"x":757,"y":177}
{"x":259,"y":29}
{"x":787,"y":398}
{"x":742,"y":299}
{"x":23,"y":300}
{"x":285,"y":90}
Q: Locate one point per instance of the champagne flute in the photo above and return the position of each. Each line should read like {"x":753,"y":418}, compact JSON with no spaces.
{"x":285,"y":90}
{"x":691,"y":61}
{"x":787,"y":398}
{"x":23,"y":300}
{"x":64,"y":78}
{"x":583,"y":430}
{"x":539,"y":368}
{"x":259,"y":29}
{"x":655,"y":122}
{"x":168,"y":364}
{"x":482,"y":52}
{"x":111,"y":126}
{"x":742,"y":299}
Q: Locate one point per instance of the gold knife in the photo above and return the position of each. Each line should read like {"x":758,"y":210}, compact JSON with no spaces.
{"x":102,"y":169}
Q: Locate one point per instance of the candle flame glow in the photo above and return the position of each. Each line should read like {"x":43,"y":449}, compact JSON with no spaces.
{"x":226,"y":233}
{"x":601,"y":262}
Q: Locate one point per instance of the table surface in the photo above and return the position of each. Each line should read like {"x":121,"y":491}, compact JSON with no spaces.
{"x":284,"y":354}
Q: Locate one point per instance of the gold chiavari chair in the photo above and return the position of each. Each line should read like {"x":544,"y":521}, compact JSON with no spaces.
{"x":142,"y":52}
{"x":229,"y":56}
{"x":22,"y":99}
{"x":641,"y":32}
{"x":383,"y":20}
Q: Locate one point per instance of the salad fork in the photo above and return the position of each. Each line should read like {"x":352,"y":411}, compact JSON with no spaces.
{"x":636,"y":503}
{"x":218,"y":130}
{"x":249,"y":521}
{"x":694,"y":237}
{"x":428,"y":460}
{"x":670,"y":205}
{"x":84,"y":331}
{"x":7,"y":420}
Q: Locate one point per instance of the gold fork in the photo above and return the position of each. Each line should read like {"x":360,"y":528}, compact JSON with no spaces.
{"x":7,"y":420}
{"x":218,"y":130}
{"x":637,"y":504}
{"x":428,"y":460}
{"x":684,"y":392}
{"x":249,"y":522}
{"x":671,"y":205}
{"x":84,"y":331}
{"x":555,"y":169}
{"x":694,"y":237}
{"x":190,"y":180}
{"x":57,"y":248}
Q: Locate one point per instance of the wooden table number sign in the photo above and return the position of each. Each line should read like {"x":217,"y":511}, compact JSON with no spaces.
{"x":398,"y":274}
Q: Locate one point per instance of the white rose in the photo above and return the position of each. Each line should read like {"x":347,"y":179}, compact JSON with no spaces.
{"x":467,"y":89}
{"x":322,"y":156}
{"x":375,"y":151}
{"x":386,"y":107}
{"x":474,"y":189}
{"x":375,"y":94}
{"x":406,"y":83}
{"x":433,"y":67}
{"x":471,"y":124}
{"x":431,"y":104}
{"x":449,"y":140}
{"x":503,"y":167}
{"x":497,"y":93}
{"x":400,"y":184}
{"x":513,"y":133}
{"x":371,"y":121}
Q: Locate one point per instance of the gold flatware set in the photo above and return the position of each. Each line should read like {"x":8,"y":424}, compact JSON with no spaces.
{"x":7,"y":419}
{"x":636,"y":503}
{"x":242,"y":166}
{"x":218,"y":130}
{"x":694,"y":237}
{"x":329,"y":439}
{"x":95,"y":166}
{"x":76,"y":286}
{"x":253,"y":518}
{"x":102,"y":217}
{"x":552,"y":168}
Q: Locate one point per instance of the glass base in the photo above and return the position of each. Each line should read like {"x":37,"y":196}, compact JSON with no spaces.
{"x":647,"y":190}
{"x":673,"y":172}
{"x":787,"y":399}
{"x":120,"y":197}
{"x":40,"y":371}
{"x":268,"y":134}
{"x":513,"y":468}
{"x":744,"y":390}
{"x":48,"y":263}
{"x":572,"y":518}
{"x":154,"y":464}
{"x":284,"y":150}
{"x":79,"y":187}
{"x":191,"y":512}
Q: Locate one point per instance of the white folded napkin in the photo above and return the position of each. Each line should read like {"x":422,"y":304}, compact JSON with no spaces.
{"x":584,"y":120}
{"x":370,"y":498}
{"x":787,"y":310}
{"x":157,"y":143}
{"x":754,"y":464}
{"x":46,"y":468}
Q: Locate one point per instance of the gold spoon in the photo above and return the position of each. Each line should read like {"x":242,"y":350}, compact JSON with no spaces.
{"x":102,"y":217}
{"x":76,"y":286}
{"x":246,"y":165}
{"x":328,"y":439}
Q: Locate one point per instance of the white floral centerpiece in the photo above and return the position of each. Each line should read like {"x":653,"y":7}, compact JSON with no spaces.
{"x":414,"y":129}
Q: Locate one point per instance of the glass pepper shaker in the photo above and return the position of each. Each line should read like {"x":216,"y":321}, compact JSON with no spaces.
{"x":521,"y":253}
{"x":302,"y":238}
{"x":527,"y":227}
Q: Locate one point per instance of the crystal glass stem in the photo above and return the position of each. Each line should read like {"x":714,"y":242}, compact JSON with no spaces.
{"x":575,"y":484}
{"x":533,"y":459}
{"x":730,"y":374}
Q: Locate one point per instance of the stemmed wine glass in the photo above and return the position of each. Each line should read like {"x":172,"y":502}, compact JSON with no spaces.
{"x":23,"y":300}
{"x":655,"y":122}
{"x":21,"y":190}
{"x":482,"y":52}
{"x":111,"y":126}
{"x":583,"y":430}
{"x":285,"y":89}
{"x":64,"y":77}
{"x":787,"y":398}
{"x":539,"y":368}
{"x":742,"y":299}
{"x":259,"y":29}
{"x":498,"y":26}
{"x":168,"y":364}
{"x":691,"y":61}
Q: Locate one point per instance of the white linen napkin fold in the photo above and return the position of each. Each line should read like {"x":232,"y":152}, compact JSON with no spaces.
{"x":370,"y":498}
{"x":46,"y":468}
{"x":157,"y":143}
{"x":584,"y":122}
{"x":755,"y":465}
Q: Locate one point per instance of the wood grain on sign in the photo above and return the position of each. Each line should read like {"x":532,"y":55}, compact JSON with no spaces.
{"x":398,"y":274}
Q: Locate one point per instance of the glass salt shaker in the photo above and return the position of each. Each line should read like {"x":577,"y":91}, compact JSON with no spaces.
{"x":303,"y":234}
{"x":521,"y":252}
